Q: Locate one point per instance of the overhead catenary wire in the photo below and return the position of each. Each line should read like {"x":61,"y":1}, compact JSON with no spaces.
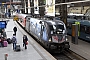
{"x":66,"y":3}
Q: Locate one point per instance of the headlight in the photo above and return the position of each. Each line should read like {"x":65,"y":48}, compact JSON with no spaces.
{"x":50,"y":40}
{"x":58,"y":32}
{"x":66,"y":39}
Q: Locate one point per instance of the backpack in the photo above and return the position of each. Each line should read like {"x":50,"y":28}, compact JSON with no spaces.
{"x":9,"y":40}
{"x":14,"y":39}
{"x":25,"y":38}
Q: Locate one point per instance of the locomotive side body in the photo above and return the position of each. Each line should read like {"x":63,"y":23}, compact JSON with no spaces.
{"x":35,"y":27}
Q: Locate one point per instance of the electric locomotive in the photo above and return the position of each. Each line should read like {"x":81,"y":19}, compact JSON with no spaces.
{"x":51,"y":33}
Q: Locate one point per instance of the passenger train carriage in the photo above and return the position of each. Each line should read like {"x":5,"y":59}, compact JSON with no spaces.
{"x":84,"y":32}
{"x":51,"y":33}
{"x":22,"y":18}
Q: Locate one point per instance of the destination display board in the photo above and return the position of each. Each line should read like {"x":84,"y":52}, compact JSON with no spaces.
{"x":50,"y":8}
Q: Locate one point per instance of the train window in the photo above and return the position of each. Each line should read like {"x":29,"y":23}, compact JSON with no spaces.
{"x":82,"y":28}
{"x":60,"y":27}
{"x":69,"y":25}
{"x":88,"y":30}
{"x":20,"y":20}
{"x":56,"y":29}
{"x":42,"y":27}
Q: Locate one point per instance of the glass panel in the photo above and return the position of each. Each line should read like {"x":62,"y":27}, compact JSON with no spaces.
{"x":88,"y":30}
{"x":82,"y":28}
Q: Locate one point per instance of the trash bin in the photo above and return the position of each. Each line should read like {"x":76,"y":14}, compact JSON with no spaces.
{"x":74,"y":33}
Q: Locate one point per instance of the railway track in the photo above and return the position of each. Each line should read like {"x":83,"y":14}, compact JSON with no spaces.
{"x":68,"y":55}
{"x":61,"y":56}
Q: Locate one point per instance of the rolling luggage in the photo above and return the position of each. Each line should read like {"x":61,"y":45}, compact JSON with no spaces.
{"x":18,"y":48}
{"x":5,"y":43}
{"x":9,"y":40}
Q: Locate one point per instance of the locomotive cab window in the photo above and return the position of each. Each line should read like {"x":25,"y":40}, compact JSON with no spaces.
{"x":56,"y":29}
{"x":60,"y":27}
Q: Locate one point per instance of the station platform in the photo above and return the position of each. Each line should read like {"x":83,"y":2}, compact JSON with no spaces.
{"x":34,"y":50}
{"x":82,"y":48}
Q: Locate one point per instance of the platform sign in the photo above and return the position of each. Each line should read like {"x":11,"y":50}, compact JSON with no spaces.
{"x":3,"y":24}
{"x":74,"y":33}
{"x":50,"y":8}
{"x":15,"y":18}
{"x":36,"y":9}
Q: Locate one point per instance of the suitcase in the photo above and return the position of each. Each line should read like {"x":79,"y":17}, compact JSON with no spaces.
{"x":5,"y":43}
{"x":18,"y":48}
{"x":9,"y":40}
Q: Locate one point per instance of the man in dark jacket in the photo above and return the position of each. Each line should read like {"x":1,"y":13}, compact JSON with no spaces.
{"x":15,"y":30}
{"x":14,"y":41}
{"x":25,"y":39}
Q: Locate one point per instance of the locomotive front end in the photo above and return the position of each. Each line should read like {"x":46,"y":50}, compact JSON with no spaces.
{"x":58,"y":36}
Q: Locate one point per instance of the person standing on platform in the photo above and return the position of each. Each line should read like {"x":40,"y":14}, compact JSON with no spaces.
{"x":15,"y":30}
{"x":1,"y":41}
{"x":25,"y":41}
{"x":14,"y":41}
{"x":4,"y":34}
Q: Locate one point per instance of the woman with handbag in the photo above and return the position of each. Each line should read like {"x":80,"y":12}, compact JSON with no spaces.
{"x":25,"y":41}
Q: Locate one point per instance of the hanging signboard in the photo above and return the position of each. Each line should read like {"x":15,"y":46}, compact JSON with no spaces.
{"x":36,"y":9}
{"x":50,"y":8}
{"x":29,"y":6}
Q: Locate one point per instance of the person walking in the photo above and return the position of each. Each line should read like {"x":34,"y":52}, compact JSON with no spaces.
{"x":15,"y":30}
{"x":14,"y":41}
{"x":25,"y":40}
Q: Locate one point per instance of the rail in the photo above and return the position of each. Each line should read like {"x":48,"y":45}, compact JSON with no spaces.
{"x":73,"y":56}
